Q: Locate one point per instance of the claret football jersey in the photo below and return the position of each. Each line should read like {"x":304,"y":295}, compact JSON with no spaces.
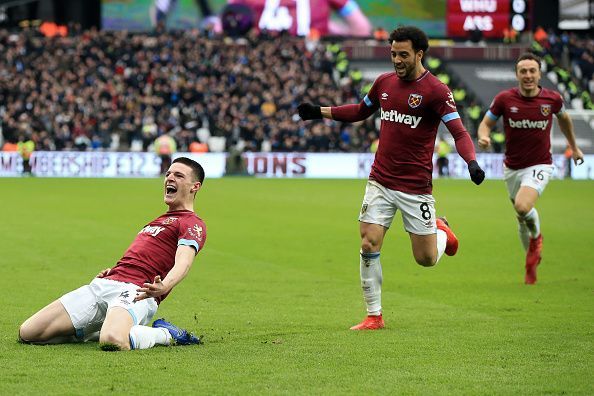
{"x":527,"y":123}
{"x":410,"y":113}
{"x":153,"y":250}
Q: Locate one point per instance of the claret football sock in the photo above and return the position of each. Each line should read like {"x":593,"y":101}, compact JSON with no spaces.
{"x":371,"y":281}
{"x":144,"y":337}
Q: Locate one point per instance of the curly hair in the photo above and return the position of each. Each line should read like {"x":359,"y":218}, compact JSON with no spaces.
{"x":417,"y":37}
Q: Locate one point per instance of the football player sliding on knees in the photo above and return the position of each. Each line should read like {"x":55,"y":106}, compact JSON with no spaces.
{"x":411,"y":103}
{"x":117,"y":307}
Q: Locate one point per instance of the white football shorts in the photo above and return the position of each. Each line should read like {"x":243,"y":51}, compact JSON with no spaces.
{"x":380,"y":205}
{"x":88,"y":305}
{"x":536,"y":176}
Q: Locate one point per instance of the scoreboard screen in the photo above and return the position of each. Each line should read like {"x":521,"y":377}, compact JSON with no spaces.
{"x":491,"y":17}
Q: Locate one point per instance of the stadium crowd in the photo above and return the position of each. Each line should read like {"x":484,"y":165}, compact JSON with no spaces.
{"x":569,"y":59}
{"x":98,"y":90}
{"x":103,"y":90}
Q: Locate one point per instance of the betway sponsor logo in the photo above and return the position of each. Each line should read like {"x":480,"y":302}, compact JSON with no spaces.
{"x":528,"y":124}
{"x":401,"y":118}
{"x":151,"y":230}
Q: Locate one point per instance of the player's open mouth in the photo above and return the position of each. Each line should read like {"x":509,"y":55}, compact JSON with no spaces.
{"x":170,"y":189}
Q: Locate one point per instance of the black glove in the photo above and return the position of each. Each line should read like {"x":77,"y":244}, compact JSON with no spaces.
{"x":477,"y":175}
{"x":307,"y":111}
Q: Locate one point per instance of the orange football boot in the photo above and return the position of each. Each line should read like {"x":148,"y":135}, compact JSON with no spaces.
{"x":370,"y":323}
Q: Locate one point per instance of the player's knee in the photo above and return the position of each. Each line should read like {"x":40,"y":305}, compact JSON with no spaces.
{"x":522,"y":208}
{"x":110,"y":340}
{"x":28,"y":333}
{"x":426,"y":260}
{"x":369,"y":245}
{"x":23,"y":336}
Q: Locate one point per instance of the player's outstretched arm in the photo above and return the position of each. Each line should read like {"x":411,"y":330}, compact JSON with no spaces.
{"x":184,"y":257}
{"x":308,"y":111}
{"x":566,"y":126}
{"x":344,"y":113}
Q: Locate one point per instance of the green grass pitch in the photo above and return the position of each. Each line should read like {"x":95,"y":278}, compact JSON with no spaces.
{"x":277,"y":287}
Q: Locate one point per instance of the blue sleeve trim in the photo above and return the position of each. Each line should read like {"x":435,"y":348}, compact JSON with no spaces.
{"x":132,"y":346}
{"x":348,"y":9}
{"x":79,"y":334}
{"x":367,"y":101}
{"x":450,"y":117}
{"x":189,"y":242}
{"x":492,"y":116}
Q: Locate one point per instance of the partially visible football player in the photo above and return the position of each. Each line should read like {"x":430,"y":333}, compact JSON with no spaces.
{"x":298,"y":17}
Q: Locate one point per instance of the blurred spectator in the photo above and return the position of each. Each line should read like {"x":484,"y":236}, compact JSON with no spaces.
{"x":497,"y":141}
{"x":540,"y":36}
{"x":473,"y":115}
{"x":10,"y":146}
{"x":568,"y":154}
{"x":510,"y":35}
{"x":459,"y":93}
{"x":165,"y":147}
{"x":25,"y":147}
{"x":443,"y":150}
{"x":380,"y":34}
{"x":433,"y":64}
{"x":50,"y":29}
{"x":197,"y":147}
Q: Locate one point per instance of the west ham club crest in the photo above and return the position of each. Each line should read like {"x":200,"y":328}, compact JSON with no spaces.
{"x":414,"y":100}
{"x":545,"y":109}
{"x":195,"y":231}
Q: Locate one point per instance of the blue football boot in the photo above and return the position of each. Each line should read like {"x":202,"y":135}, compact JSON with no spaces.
{"x":180,"y":336}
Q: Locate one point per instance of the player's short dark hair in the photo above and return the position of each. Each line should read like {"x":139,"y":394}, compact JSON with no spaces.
{"x":417,"y":37}
{"x":528,"y":56}
{"x":196,"y":167}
